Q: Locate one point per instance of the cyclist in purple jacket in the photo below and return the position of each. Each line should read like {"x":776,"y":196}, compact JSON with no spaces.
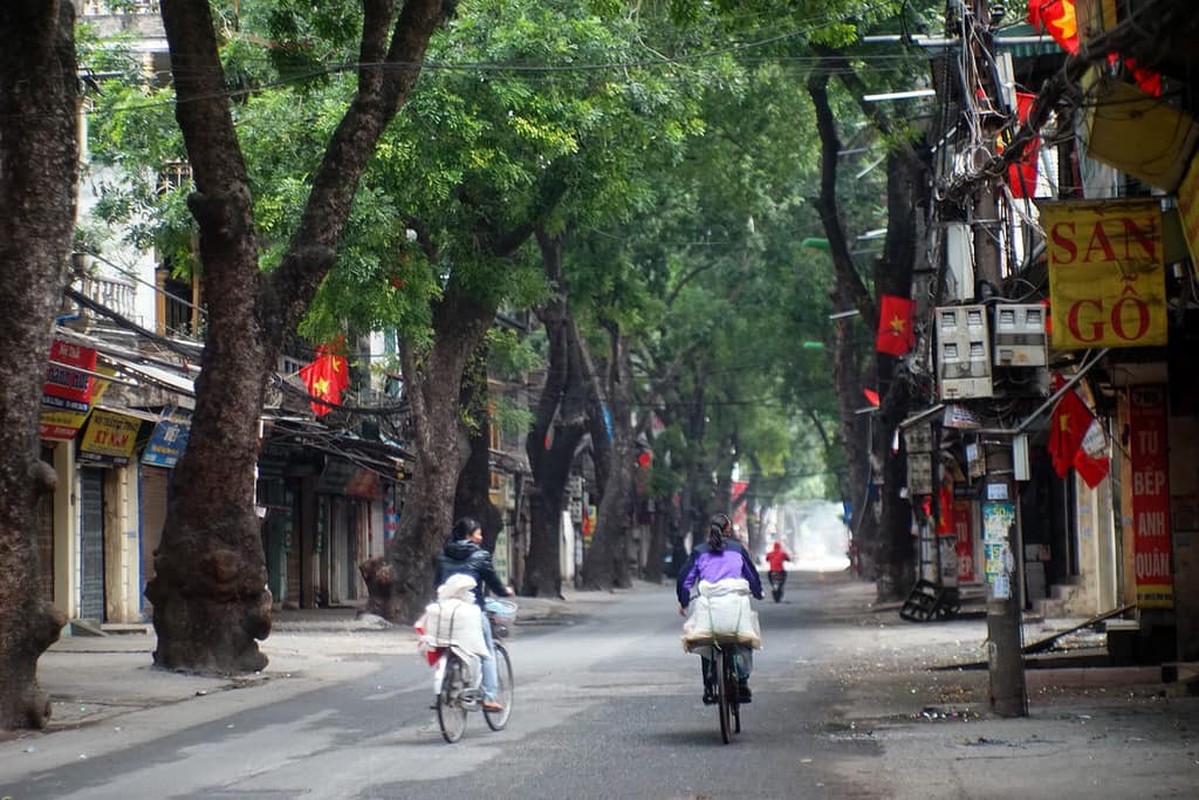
{"x":715,"y":560}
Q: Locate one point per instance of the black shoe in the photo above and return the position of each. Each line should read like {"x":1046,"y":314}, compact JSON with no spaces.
{"x":709,"y":696}
{"x":744,"y":695}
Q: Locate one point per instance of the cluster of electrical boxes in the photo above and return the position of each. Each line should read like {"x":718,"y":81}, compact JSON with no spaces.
{"x":972,"y":340}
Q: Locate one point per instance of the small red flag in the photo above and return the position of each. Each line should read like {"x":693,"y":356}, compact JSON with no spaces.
{"x":1058,"y":19}
{"x":1076,"y":440}
{"x":895,"y":334}
{"x":1022,"y":175}
{"x":1149,"y":81}
{"x":325,"y":378}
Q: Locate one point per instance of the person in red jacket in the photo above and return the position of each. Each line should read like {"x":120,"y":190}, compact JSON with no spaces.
{"x":776,"y":558}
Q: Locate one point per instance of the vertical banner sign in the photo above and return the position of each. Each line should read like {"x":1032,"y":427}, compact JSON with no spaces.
{"x":998,"y":518}
{"x":1107,"y":283}
{"x":1150,"y":496}
{"x":965,"y":540}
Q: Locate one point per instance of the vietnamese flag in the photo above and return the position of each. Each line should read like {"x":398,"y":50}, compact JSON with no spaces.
{"x":1058,"y":19}
{"x":325,"y":378}
{"x":895,"y":334}
{"x":1091,"y":462}
{"x":1076,"y":440}
{"x":1022,"y":175}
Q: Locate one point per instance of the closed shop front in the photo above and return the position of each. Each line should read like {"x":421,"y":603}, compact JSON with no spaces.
{"x":91,"y":543}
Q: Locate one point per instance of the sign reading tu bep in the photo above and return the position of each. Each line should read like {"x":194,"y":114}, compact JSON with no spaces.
{"x":1106,"y":277}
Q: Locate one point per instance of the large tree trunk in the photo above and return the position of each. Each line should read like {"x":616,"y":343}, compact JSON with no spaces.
{"x":848,"y":293}
{"x":401,"y":581}
{"x":907,"y":191}
{"x":559,"y":419}
{"x":473,"y":495}
{"x":38,"y":178}
{"x":209,"y":590}
{"x":606,"y":564}
{"x":893,"y":275}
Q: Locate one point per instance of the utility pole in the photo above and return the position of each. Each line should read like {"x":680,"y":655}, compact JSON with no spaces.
{"x":1005,"y":656}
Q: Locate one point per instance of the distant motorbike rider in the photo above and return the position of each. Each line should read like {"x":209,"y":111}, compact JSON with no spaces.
{"x":777,"y":557}
{"x":464,"y":555}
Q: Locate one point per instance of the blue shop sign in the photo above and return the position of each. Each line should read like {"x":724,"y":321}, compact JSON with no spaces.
{"x":166,"y":444}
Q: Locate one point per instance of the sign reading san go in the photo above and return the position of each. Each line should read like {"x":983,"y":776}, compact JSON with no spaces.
{"x":1107,"y":283}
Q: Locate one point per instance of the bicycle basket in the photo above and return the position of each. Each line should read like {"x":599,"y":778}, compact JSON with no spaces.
{"x":502,"y":613}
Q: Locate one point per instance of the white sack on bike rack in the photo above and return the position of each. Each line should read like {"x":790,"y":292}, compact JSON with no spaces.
{"x":722,"y":610}
{"x":455,"y":620}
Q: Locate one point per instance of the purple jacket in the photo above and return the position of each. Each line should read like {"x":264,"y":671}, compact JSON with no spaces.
{"x":712,"y":567}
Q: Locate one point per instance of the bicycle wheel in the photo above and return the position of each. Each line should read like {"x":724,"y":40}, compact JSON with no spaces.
{"x":723,"y":692}
{"x":496,"y":720}
{"x":730,"y":665}
{"x":451,"y":713}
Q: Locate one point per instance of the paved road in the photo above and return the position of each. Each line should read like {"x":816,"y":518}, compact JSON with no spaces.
{"x":608,"y":706}
{"x":845,"y":706}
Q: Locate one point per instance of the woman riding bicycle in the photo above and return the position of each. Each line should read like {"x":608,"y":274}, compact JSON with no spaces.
{"x":464,"y":555}
{"x":718,"y":559}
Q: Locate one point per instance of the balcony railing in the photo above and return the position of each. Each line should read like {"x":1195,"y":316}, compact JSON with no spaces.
{"x":95,"y":9}
{"x":115,"y":294}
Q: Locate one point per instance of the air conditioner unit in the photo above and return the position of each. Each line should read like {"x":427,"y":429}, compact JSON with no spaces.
{"x":963,"y":352}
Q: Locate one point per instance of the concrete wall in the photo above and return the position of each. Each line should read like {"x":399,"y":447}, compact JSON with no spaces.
{"x":122,"y":550}
{"x":1184,"y":523}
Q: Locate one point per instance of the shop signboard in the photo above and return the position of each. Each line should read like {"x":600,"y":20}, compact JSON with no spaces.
{"x":964,"y":534}
{"x":1188,"y":208}
{"x":67,"y":392}
{"x":1150,"y":496}
{"x":109,"y":438}
{"x":166,"y":445}
{"x":1106,"y":274}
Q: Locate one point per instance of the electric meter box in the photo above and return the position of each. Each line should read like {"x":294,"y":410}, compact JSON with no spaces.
{"x":920,"y":473}
{"x":919,"y":438}
{"x":1020,"y":335}
{"x":963,"y":353}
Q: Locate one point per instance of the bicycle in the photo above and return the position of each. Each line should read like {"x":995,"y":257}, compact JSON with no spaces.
{"x":457,"y":696}
{"x":723,"y":653}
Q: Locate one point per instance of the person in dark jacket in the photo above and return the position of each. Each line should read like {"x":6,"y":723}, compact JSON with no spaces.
{"x":714,"y":560}
{"x":464,"y":555}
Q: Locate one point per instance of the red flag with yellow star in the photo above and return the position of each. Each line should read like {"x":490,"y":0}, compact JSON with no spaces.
{"x":1058,"y":19}
{"x":325,"y":378}
{"x":895,"y":334}
{"x":1067,"y":426}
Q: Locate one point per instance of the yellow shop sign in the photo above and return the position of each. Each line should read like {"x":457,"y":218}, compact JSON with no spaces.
{"x":109,"y":434}
{"x":1106,"y":276}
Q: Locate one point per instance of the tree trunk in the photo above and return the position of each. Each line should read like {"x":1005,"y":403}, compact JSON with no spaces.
{"x":473,"y":495}
{"x":558,"y":419}
{"x":893,"y":275}
{"x":658,"y":543}
{"x":848,"y":293}
{"x":209,"y":590}
{"x":38,"y":178}
{"x":401,"y":581}
{"x":606,"y":564}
